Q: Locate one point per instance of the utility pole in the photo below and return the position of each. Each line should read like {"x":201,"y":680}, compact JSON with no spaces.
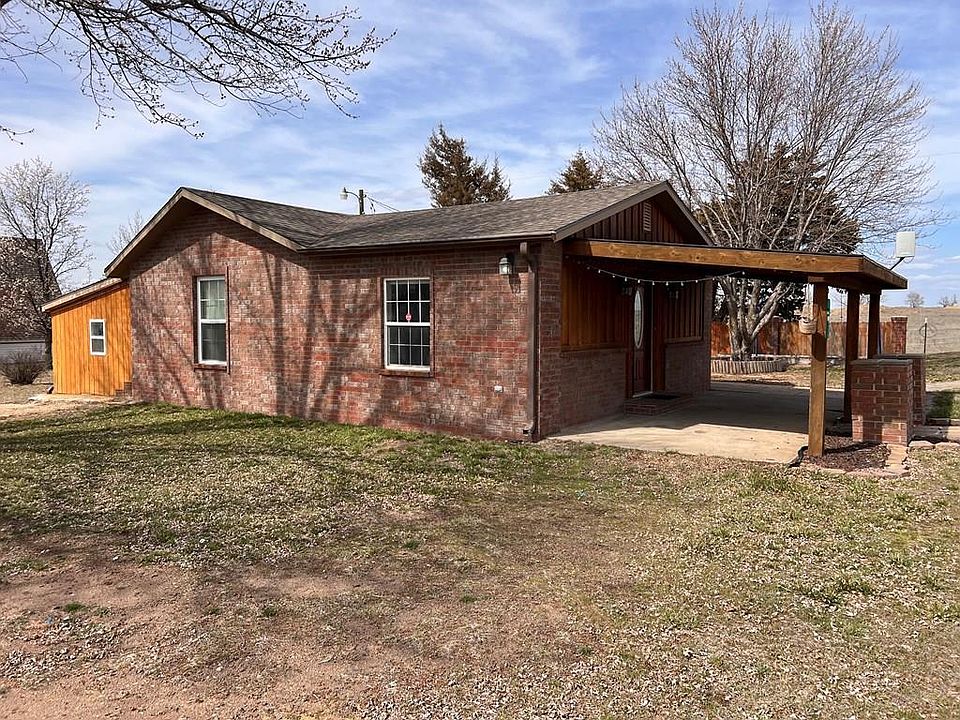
{"x":359,"y":195}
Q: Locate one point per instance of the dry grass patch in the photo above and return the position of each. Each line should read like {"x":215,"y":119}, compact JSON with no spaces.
{"x":284,"y":567}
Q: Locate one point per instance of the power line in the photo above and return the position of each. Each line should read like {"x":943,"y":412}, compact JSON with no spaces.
{"x":380,"y":202}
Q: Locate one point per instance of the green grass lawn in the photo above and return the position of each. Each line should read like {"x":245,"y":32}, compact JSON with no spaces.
{"x":943,"y":367}
{"x":945,"y":404}
{"x":335,"y":571}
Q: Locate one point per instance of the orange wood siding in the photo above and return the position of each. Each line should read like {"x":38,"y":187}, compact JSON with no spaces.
{"x":75,"y":370}
{"x":594,"y":311}
{"x":630,"y":224}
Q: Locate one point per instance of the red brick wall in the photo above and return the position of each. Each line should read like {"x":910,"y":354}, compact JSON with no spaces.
{"x":919,"y":382}
{"x":687,"y":364}
{"x":882,"y":400}
{"x":305,"y":333}
{"x":594,"y":384}
{"x":896,"y":344}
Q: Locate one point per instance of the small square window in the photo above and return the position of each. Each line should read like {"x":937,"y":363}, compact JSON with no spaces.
{"x":98,"y":337}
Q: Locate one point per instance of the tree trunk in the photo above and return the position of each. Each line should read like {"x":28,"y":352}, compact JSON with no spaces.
{"x":746,"y":314}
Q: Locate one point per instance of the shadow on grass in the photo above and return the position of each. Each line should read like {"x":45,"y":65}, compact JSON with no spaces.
{"x":186,"y":483}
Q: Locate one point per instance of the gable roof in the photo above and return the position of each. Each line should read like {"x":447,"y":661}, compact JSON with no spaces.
{"x":550,"y":217}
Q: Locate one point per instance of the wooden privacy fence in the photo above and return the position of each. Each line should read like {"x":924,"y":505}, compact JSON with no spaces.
{"x":783,"y":337}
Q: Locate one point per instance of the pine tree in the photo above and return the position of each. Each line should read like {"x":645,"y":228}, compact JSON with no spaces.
{"x":580,"y":174}
{"x":454,"y":177}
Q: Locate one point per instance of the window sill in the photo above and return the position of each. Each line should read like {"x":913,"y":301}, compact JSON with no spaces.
{"x":210,"y":366}
{"x":391,"y":372}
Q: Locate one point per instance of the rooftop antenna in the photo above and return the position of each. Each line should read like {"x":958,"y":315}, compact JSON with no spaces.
{"x":906,"y":246}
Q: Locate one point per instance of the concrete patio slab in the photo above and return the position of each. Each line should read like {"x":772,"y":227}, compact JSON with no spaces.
{"x":747,"y":421}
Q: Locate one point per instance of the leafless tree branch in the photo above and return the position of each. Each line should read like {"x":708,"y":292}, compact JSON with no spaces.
{"x":264,"y":53}
{"x":42,"y":243}
{"x":779,"y":139}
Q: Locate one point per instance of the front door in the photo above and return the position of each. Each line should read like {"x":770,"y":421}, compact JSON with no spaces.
{"x":641,"y":340}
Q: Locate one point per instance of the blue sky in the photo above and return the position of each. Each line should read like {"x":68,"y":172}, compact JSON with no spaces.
{"x":522,"y":80}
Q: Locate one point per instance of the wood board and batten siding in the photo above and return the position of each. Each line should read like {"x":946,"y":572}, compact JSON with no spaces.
{"x":595,"y":313}
{"x":77,"y":371}
{"x":644,"y":222}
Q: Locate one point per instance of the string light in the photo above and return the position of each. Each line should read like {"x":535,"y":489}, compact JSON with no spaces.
{"x":667,"y":283}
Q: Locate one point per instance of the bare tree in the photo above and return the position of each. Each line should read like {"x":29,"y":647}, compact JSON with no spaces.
{"x":261,"y":52}
{"x":914,"y":299}
{"x":42,"y":243}
{"x":778,"y":139}
{"x":947,"y":301}
{"x":125,"y":233}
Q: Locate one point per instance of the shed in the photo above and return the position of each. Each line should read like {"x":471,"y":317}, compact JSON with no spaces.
{"x":91,"y":339}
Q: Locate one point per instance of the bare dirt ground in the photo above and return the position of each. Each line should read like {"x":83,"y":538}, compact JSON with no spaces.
{"x":16,"y":404}
{"x":10,"y":393}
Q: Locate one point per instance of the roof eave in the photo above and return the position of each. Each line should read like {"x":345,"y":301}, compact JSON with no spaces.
{"x":81,"y":294}
{"x":474,"y":240}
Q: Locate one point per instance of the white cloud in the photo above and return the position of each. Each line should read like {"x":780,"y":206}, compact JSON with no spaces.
{"x":521,"y":80}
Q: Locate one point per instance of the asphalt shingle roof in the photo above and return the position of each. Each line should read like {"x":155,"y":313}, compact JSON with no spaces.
{"x":320,"y":230}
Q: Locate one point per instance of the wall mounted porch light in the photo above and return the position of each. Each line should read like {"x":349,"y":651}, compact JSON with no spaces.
{"x":505,"y":266}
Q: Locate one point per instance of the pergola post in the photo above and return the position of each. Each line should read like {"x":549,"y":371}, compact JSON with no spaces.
{"x":852,"y":348}
{"x":873,"y":326}
{"x":818,"y":372}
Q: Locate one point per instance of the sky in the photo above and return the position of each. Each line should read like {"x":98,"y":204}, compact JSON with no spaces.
{"x":523,"y":81}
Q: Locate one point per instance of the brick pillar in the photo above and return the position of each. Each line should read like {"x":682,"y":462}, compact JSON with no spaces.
{"x":898,"y":337}
{"x":882,"y":398}
{"x":919,"y":384}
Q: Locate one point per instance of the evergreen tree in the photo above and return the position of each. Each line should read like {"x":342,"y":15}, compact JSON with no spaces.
{"x":454,"y":177}
{"x":580,"y":174}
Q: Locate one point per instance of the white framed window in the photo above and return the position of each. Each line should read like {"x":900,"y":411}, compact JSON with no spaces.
{"x":98,"y":336}
{"x":406,"y":323}
{"x":212,"y":320}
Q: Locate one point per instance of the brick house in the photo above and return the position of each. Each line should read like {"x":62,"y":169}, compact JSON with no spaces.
{"x":445,"y":319}
{"x":506,"y":320}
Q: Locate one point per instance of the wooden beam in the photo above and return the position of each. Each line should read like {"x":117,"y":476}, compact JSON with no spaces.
{"x":840,"y":269}
{"x":852,"y":349}
{"x":818,"y":373}
{"x":873,"y":326}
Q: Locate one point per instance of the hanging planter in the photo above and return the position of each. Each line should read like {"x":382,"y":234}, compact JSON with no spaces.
{"x":807,"y":322}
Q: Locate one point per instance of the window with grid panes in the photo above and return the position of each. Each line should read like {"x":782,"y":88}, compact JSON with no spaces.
{"x":406,"y":320}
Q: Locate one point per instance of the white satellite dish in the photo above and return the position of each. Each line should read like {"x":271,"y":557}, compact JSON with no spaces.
{"x":906,"y":244}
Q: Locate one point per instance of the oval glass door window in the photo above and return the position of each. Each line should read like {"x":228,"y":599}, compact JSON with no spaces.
{"x":638,"y":318}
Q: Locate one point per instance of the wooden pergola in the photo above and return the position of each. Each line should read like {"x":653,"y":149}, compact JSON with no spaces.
{"x":856,"y":274}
